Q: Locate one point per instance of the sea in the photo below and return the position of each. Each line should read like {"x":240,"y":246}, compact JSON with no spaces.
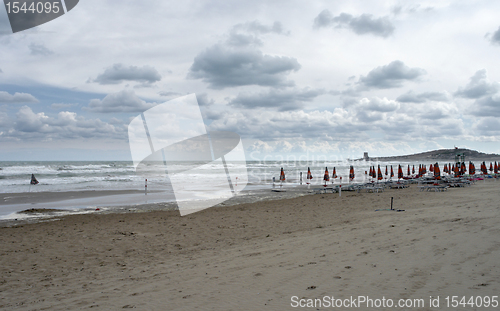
{"x":65,"y":176}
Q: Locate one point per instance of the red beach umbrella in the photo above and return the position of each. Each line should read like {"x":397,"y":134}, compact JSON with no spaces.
{"x":392,"y":172}
{"x":413,"y":170}
{"x":495,"y":169}
{"x":491,"y":167}
{"x":327,"y":176}
{"x":309,"y":175}
{"x":371,"y":172}
{"x":282,"y":175}
{"x":351,"y":172}
{"x":472,"y":168}
{"x":431,"y":168}
{"x":386,"y":171}
{"x":334,"y":173}
{"x":484,"y":169}
{"x":400,"y":172}
{"x":379,"y":174}
{"x":408,"y":170}
{"x":437,"y":171}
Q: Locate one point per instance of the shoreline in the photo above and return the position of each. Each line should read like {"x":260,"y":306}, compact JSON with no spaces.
{"x":258,"y":255}
{"x":59,"y":204}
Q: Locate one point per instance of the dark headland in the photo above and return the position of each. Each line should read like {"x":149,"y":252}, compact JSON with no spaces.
{"x":438,"y":155}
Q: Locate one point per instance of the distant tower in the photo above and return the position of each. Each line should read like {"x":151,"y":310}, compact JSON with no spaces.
{"x":366,"y":157}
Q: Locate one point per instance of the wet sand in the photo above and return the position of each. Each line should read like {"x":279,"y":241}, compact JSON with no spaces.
{"x":44,"y":197}
{"x":258,"y":256}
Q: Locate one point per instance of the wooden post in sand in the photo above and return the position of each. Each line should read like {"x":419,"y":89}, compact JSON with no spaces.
{"x":340,"y":187}
{"x":146,"y":187}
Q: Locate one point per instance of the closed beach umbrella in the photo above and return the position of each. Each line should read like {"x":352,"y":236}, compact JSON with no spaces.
{"x":457,"y":171}
{"x":408,"y":170}
{"x":371,"y":172}
{"x":334,"y":173}
{"x":431,"y":168}
{"x":379,"y":173}
{"x":484,"y":169}
{"x":326,"y":177}
{"x":392,"y":172}
{"x":351,"y":172}
{"x":437,"y":171}
{"x":413,"y":170}
{"x":463,"y":168}
{"x":400,"y":171}
{"x":309,"y":175}
{"x":282,"y":175}
{"x":472,"y":168}
{"x":386,"y":173}
{"x":496,"y":168}
{"x":491,"y":167}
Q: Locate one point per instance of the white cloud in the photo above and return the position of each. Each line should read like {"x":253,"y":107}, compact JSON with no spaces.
{"x":17,"y":98}
{"x":119,"y":73}
{"x":123,"y":101}
{"x":66,"y":125}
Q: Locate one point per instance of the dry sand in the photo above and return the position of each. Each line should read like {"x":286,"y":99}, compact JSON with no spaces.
{"x":257,"y":256}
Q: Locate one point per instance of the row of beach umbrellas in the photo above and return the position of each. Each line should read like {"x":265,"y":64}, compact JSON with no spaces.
{"x":457,"y":170}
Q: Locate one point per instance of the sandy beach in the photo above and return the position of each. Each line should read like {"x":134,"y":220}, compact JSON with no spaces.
{"x":260,"y":256}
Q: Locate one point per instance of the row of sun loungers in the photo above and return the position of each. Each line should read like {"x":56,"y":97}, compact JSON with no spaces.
{"x":423,"y":185}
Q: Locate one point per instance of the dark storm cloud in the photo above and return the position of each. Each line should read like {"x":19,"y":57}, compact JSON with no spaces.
{"x":390,"y":76}
{"x":123,"y":101}
{"x":288,"y":99}
{"x":324,"y":19}
{"x":222,"y":67}
{"x":495,"y":39}
{"x":478,"y":86}
{"x":39,"y":49}
{"x":488,"y":126}
{"x":488,"y":106}
{"x":361,"y":25}
{"x":17,"y":98}
{"x":118,"y":73}
{"x":411,"y":97}
{"x":203,"y":100}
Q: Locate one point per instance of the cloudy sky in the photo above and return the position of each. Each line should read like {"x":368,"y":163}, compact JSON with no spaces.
{"x":290,"y":77}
